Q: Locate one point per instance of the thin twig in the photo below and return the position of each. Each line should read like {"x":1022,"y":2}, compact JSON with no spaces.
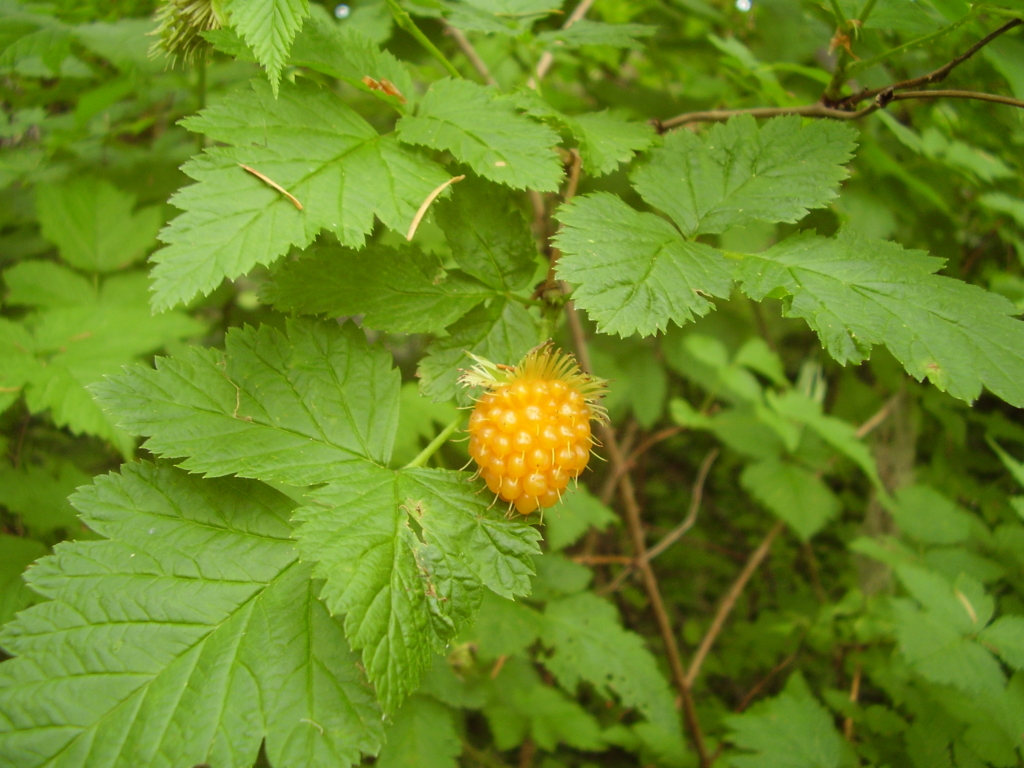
{"x":854,"y":695}
{"x":548,"y":58}
{"x":752,"y":693}
{"x":632,"y":510}
{"x":611,"y":482}
{"x":880,"y":415}
{"x":691,"y":517}
{"x":936,"y":76}
{"x":405,"y":21}
{"x":470,"y":52}
{"x":570,"y":193}
{"x":729,"y":601}
{"x":271,"y":183}
{"x":676,"y":533}
{"x":843,"y":109}
{"x":646,"y":445}
{"x":974,"y":95}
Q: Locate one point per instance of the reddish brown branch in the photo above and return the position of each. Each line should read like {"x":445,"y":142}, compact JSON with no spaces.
{"x":636,"y":532}
{"x":844,"y":108}
{"x":729,"y":601}
{"x":676,"y":533}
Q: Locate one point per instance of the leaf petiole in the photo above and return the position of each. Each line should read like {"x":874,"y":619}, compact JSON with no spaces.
{"x":435,"y":444}
{"x":405,"y":21}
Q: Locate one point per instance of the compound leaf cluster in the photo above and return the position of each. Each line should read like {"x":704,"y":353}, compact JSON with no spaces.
{"x":404,"y":554}
{"x":187,"y":636}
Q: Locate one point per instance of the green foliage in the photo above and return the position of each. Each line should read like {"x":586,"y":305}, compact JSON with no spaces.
{"x":303,"y":569}
{"x":791,"y":731}
{"x":232,"y":648}
{"x":855,"y":293}
{"x":486,"y":132}
{"x":268,"y":28}
{"x":235,"y":220}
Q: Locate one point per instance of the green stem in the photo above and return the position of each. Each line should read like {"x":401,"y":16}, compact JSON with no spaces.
{"x":865,"y":12}
{"x":860,"y":66}
{"x":404,"y":20}
{"x":435,"y":444}
{"x":838,"y":13}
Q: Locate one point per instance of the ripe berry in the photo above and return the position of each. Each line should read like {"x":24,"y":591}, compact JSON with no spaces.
{"x":530,"y":432}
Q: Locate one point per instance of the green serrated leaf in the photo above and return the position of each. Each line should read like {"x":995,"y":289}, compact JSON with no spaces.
{"x":790,"y":731}
{"x":347,"y":54}
{"x":189,"y":636}
{"x":940,"y":653}
{"x":793,"y":493}
{"x":503,"y":332}
{"x":589,"y":644}
{"x":606,"y":140}
{"x":488,"y":236}
{"x":405,"y":556}
{"x":400,"y":291}
{"x":46,"y":284}
{"x":503,"y":17}
{"x":504,"y":627}
{"x":486,"y":132}
{"x":422,"y":735}
{"x":310,"y":143}
{"x":738,"y":173}
{"x":926,"y":515}
{"x":520,"y":706}
{"x":94,"y":225}
{"x":575,"y":516}
{"x":634,"y":271}
{"x":268,"y":28}
{"x":58,"y":352}
{"x":856,"y":292}
{"x":587,"y":32}
{"x":840,"y":434}
{"x":1006,"y":635}
{"x":293,"y":408}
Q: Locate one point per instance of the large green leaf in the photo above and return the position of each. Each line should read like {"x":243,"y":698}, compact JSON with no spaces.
{"x":310,"y":143}
{"x":340,"y":51}
{"x":188,"y":636}
{"x":586,"y":32}
{"x":502,"y":331}
{"x":738,"y":173}
{"x":487,"y":133}
{"x":94,"y":223}
{"x":405,"y":556}
{"x":293,"y":408}
{"x":790,"y":731}
{"x":268,"y":27}
{"x":589,"y":644}
{"x":422,"y":735}
{"x":488,"y":236}
{"x":521,"y":706}
{"x":856,"y":292}
{"x":402,"y":291}
{"x":793,"y":493}
{"x":635,"y":272}
{"x":54,"y":354}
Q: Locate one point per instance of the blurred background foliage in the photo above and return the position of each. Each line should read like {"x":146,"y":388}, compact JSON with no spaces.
{"x":867,"y":634}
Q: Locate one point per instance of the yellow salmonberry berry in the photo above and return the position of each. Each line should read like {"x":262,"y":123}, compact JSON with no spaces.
{"x":530,"y":431}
